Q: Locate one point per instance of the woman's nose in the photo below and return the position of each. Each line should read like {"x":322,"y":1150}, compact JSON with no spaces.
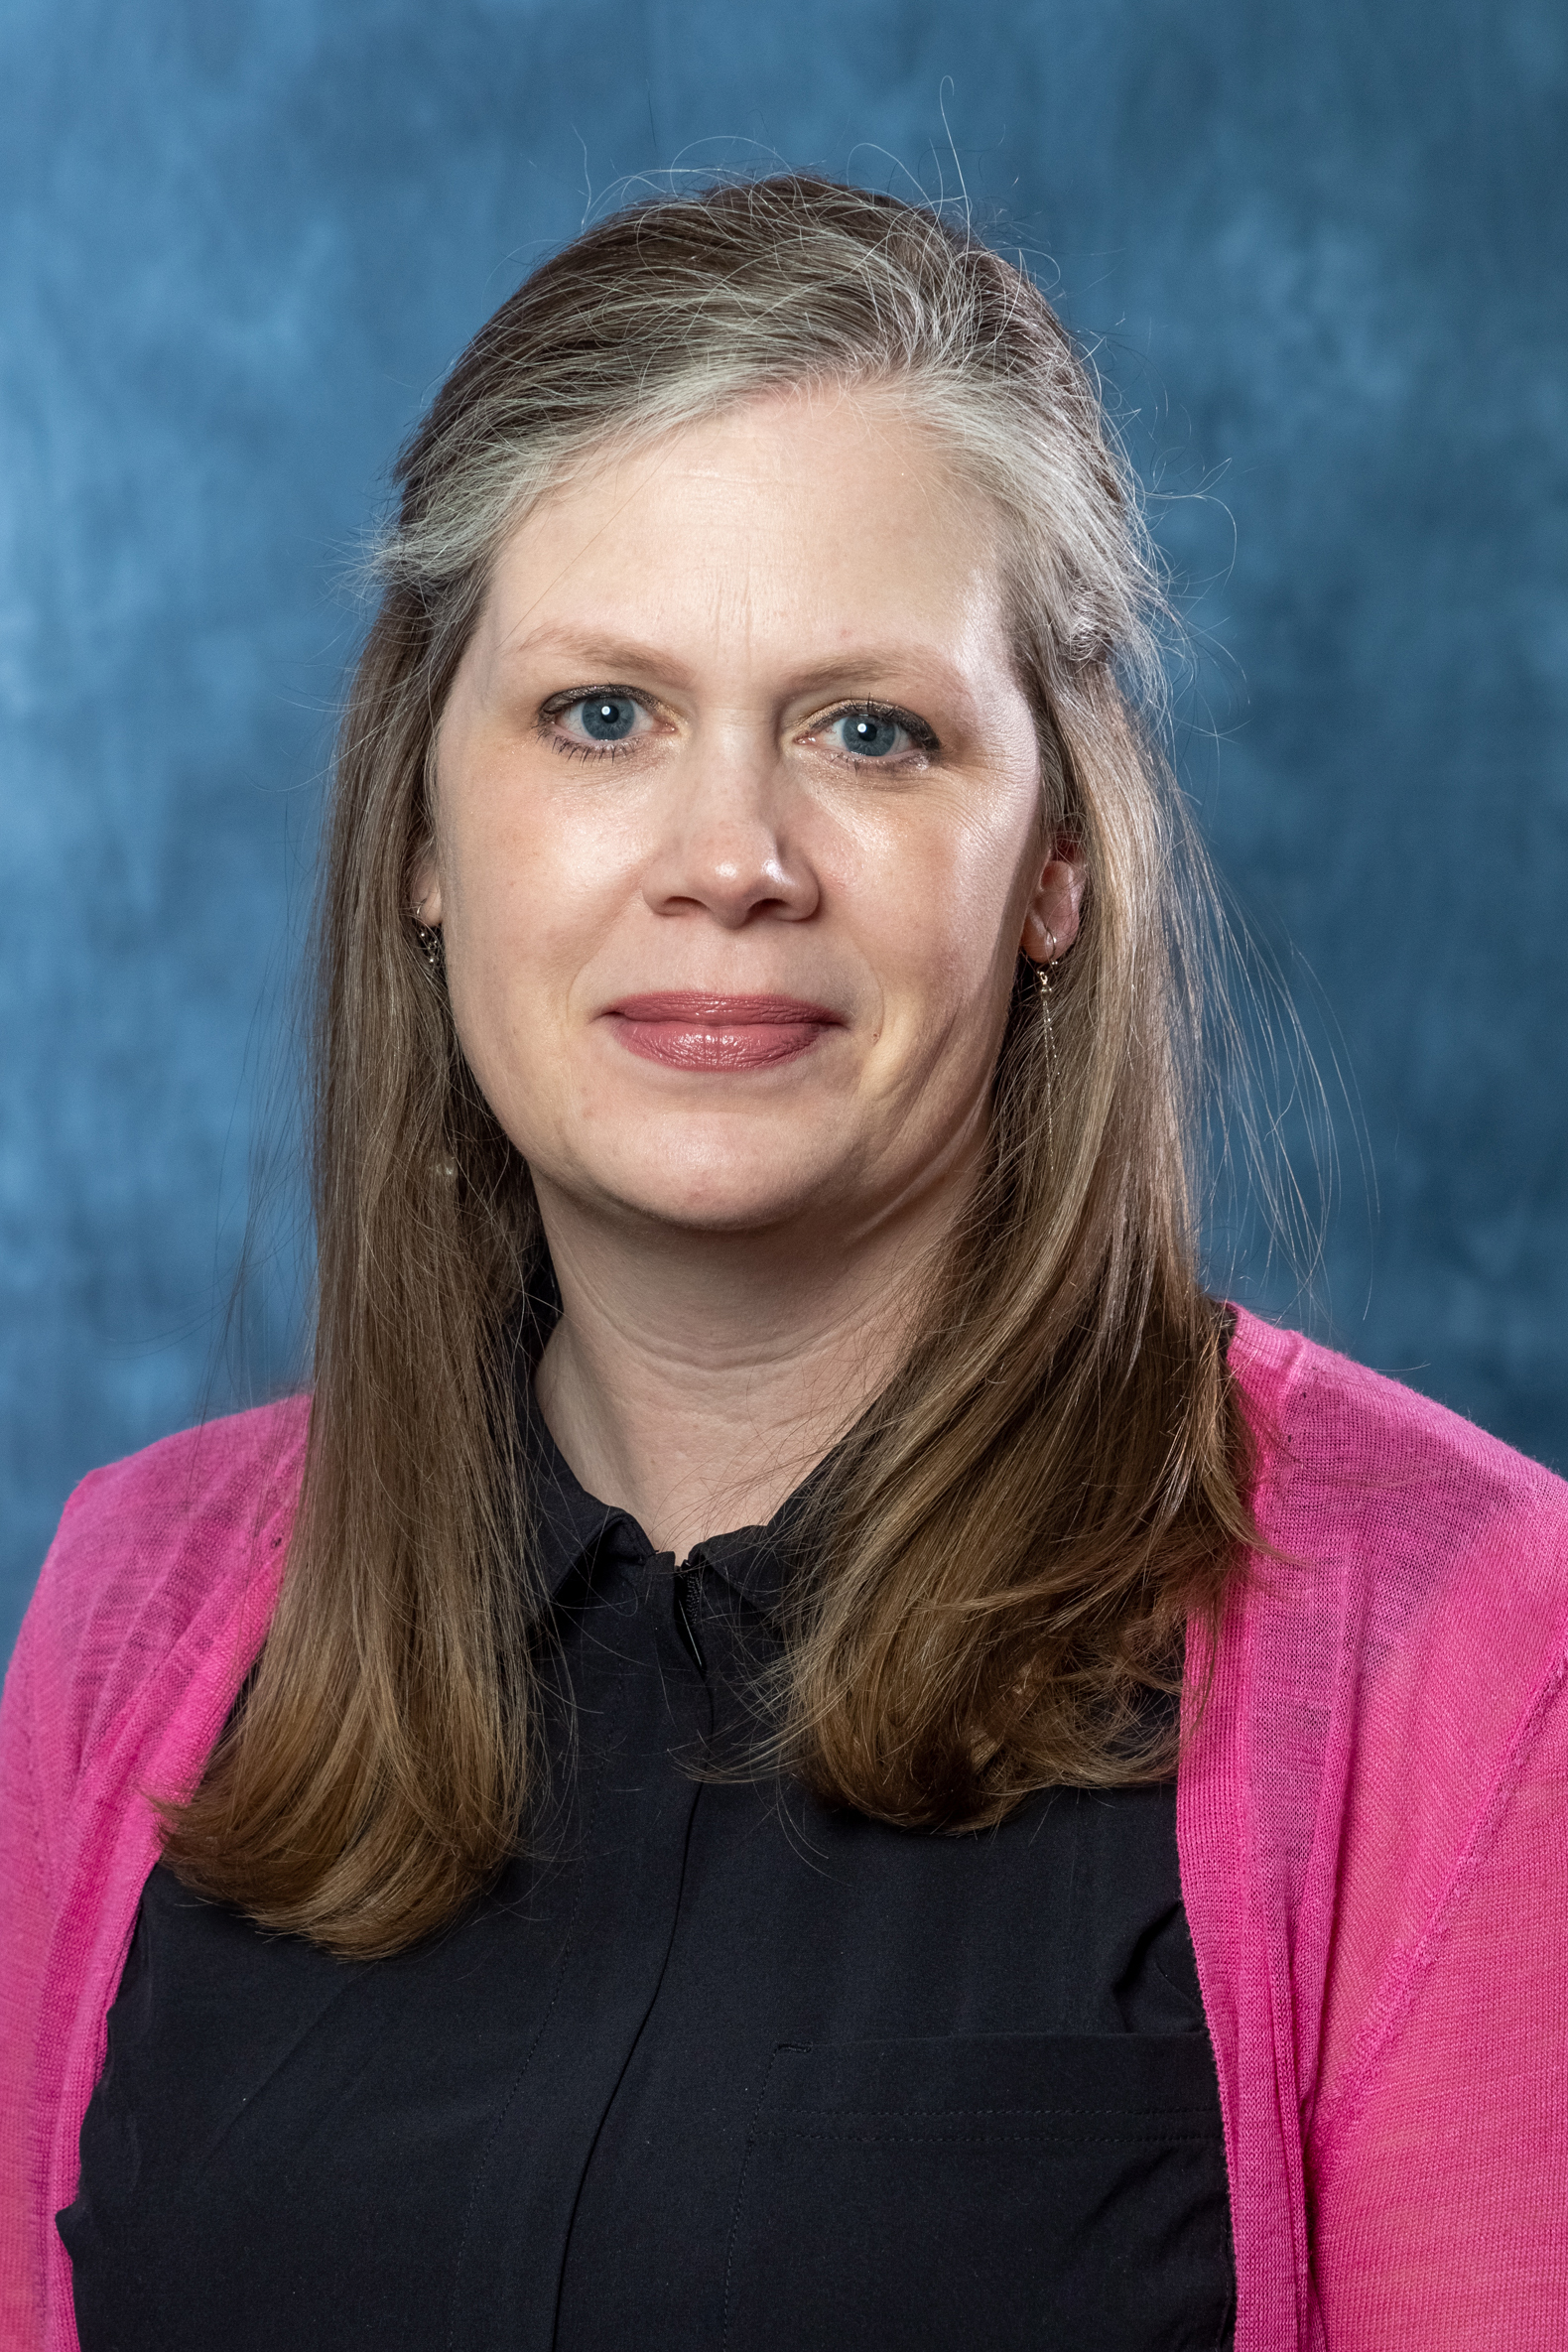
{"x":727,"y":848}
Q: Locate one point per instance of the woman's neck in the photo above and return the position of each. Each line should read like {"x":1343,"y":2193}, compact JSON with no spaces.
{"x":696,"y":1379}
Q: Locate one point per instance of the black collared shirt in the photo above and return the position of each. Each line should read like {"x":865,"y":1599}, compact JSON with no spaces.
{"x":718,"y":2069}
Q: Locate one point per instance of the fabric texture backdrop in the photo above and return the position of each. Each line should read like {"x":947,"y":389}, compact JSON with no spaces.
{"x":1319,"y":253}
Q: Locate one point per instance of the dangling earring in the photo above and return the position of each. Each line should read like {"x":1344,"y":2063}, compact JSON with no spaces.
{"x":432,"y":944}
{"x":1043,"y":970}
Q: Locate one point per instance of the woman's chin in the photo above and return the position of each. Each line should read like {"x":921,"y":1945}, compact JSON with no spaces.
{"x":734,"y":1209}
{"x":735,"y":1194}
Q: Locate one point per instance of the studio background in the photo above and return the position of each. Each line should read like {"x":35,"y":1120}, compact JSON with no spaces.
{"x":1319,"y":253}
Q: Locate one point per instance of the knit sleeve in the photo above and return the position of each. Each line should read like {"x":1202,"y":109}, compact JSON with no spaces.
{"x":24,"y":1913}
{"x":1441,"y":2195}
{"x":148,"y":1612}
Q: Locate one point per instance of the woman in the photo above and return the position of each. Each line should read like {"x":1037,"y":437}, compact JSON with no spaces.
{"x":655,"y":1809}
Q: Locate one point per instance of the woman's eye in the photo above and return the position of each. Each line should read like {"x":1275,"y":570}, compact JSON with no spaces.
{"x":604,"y":718}
{"x":598,"y":724}
{"x":871,"y":734}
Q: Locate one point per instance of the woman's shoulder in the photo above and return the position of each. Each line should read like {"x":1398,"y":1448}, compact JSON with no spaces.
{"x":208,"y":1477}
{"x":189,"y":1506}
{"x":156,"y":1556}
{"x":1357,"y":1469}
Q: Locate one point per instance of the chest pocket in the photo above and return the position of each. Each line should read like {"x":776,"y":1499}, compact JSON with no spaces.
{"x":986,"y":2193}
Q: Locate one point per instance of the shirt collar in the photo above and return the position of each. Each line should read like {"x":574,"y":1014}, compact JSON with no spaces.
{"x":575,"y":1532}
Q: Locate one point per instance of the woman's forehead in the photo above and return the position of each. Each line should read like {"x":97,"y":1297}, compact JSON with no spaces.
{"x":826,"y":521}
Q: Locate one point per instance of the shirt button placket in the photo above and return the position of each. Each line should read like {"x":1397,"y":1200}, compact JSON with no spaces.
{"x":684,"y":1605}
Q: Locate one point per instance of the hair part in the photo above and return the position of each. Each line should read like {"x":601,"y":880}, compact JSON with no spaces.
{"x":1002,"y":1555}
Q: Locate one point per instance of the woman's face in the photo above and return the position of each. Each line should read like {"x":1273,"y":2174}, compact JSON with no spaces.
{"x":738,"y":826}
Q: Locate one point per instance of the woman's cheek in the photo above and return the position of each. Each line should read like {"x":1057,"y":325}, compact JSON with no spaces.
{"x":941,"y":904}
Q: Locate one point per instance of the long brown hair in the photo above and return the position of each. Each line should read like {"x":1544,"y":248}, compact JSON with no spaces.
{"x":1004,"y":1550}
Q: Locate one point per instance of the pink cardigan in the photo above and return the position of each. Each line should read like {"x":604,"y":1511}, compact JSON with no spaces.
{"x":1372,"y":1819}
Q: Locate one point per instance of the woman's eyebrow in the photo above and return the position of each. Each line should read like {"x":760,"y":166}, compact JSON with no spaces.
{"x":918,"y":669}
{"x":593,"y":658}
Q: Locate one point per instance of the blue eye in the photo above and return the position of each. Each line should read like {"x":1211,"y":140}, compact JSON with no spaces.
{"x":867,"y":733}
{"x":607,"y":718}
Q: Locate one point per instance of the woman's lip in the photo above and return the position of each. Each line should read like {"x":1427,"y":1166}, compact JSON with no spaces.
{"x":686,"y":1030}
{"x":716,"y":1013}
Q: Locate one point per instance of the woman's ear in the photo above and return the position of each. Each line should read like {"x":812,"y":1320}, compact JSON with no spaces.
{"x":1050,"y":920}
{"x":424,"y":889}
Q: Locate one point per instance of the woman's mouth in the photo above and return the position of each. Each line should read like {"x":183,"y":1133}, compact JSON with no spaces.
{"x":689,"y":1031}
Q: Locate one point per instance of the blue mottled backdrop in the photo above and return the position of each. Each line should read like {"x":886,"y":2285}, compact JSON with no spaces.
{"x":1319,"y":248}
